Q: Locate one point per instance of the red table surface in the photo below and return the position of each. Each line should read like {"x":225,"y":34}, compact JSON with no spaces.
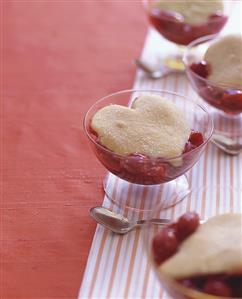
{"x":58,"y":58}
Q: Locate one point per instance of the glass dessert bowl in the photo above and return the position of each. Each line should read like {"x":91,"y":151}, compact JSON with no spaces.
{"x":136,"y":169}
{"x":194,"y":259}
{"x":181,"y":23}
{"x":225,"y":100}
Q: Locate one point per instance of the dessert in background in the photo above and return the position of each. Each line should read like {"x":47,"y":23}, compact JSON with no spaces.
{"x":192,"y":11}
{"x":205,"y":257}
{"x":186,"y":20}
{"x":222,"y":68}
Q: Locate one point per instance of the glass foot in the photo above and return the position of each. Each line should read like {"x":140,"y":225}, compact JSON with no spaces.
{"x":227,"y":132}
{"x":144,"y":198}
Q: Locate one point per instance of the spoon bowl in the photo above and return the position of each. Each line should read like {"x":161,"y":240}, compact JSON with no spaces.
{"x":117,"y":223}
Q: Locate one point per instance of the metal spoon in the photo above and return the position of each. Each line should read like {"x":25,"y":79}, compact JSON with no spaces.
{"x":118,"y":223}
{"x":155,"y":74}
{"x":227,"y":145}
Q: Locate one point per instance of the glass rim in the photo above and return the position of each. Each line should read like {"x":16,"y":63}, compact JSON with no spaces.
{"x":163,"y":159}
{"x":200,"y":41}
{"x":146,"y":6}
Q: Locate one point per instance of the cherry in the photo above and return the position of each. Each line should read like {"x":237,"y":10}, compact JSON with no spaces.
{"x":187,"y":224}
{"x":164,"y":245}
{"x":217,"y":287}
{"x":136,"y":164}
{"x":196,"y":138}
{"x":233,"y":100}
{"x":202,"y":69}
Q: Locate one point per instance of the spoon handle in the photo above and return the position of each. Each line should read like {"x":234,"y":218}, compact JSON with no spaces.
{"x":158,"y":221}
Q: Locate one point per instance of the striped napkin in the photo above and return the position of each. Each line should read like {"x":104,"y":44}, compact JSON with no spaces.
{"x":117,"y":266}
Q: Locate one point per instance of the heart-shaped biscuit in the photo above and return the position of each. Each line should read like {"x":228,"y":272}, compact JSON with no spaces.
{"x":153,"y":126}
{"x":225,"y":58}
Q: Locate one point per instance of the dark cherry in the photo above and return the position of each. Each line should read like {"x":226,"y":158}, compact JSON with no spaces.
{"x":136,"y":164}
{"x":217,"y":287}
{"x":202,"y":69}
{"x":196,"y":139}
{"x":187,"y":224}
{"x":164,"y":245}
{"x":166,"y":242}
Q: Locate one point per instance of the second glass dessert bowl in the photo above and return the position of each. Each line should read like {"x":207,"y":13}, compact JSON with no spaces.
{"x":224,"y":100}
{"x":174,"y":28}
{"x":161,"y":179}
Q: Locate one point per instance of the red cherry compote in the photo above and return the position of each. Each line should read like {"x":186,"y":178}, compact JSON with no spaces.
{"x":140,"y":169}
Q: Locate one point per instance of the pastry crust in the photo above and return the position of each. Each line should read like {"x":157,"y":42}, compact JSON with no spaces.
{"x":216,"y":247}
{"x":193,"y":11}
{"x":153,"y":126}
{"x":225,"y":58}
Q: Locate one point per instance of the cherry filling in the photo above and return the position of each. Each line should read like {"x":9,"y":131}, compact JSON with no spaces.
{"x":228,"y":100}
{"x":166,"y":243}
{"x":172,"y":26}
{"x":223,"y":285}
{"x":140,"y":169}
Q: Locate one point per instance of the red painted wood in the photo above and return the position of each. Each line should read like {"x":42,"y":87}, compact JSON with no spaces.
{"x":58,"y":58}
